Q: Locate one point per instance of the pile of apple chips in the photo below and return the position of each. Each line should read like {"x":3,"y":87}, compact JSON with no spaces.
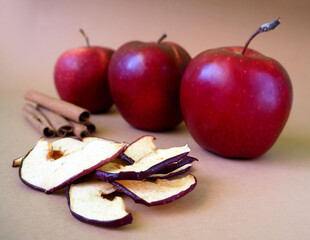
{"x":92,"y":169}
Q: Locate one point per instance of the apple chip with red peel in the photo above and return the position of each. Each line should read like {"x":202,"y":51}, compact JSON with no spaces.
{"x":173,"y":166}
{"x":17,"y":161}
{"x":121,"y":156}
{"x":51,"y":166}
{"x":143,"y":168}
{"x":64,"y":145}
{"x":173,"y":173}
{"x":161,"y":191}
{"x":138,"y":149}
{"x":88,"y":204}
{"x":76,"y":162}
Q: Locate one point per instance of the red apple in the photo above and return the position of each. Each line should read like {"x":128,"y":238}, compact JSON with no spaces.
{"x":145,"y":80}
{"x":81,"y":77}
{"x":236,"y":101}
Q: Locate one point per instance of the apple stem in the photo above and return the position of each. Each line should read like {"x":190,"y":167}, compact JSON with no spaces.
{"x":85,"y":36}
{"x":263,"y":28}
{"x":161,"y":38}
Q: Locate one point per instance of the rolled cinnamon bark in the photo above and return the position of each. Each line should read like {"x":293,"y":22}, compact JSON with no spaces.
{"x":90,"y":126}
{"x":38,"y":121}
{"x":79,"y":129}
{"x":63,"y":108}
{"x":59,"y":123}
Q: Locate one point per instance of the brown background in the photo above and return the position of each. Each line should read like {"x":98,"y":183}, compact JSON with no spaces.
{"x":267,"y":198}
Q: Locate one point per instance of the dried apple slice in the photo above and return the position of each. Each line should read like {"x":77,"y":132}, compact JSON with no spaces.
{"x":159,"y":192}
{"x":64,"y":145}
{"x":92,"y":139}
{"x":138,"y":149}
{"x":173,"y":166}
{"x":87,"y":204}
{"x":143,"y":168}
{"x":173,"y":173}
{"x":17,"y":161}
{"x":67,"y":145}
{"x":121,"y":156}
{"x":51,"y":166}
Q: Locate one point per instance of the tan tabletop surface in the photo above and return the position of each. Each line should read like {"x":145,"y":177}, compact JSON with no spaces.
{"x":266,"y":198}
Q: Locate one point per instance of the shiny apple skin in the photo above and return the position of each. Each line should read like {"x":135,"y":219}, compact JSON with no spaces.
{"x":235,"y":105}
{"x":80,"y":77}
{"x":145,"y":80}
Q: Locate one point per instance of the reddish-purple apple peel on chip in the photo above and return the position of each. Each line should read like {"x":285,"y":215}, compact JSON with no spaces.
{"x":88,"y":204}
{"x":51,"y":166}
{"x":144,"y":167}
{"x":173,"y":173}
{"x":159,"y":192}
{"x":138,"y":149}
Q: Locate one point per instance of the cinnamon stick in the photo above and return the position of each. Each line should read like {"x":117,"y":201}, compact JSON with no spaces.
{"x":38,"y":120}
{"x":79,"y":129}
{"x":59,"y":123}
{"x":90,"y":126}
{"x":63,"y":108}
